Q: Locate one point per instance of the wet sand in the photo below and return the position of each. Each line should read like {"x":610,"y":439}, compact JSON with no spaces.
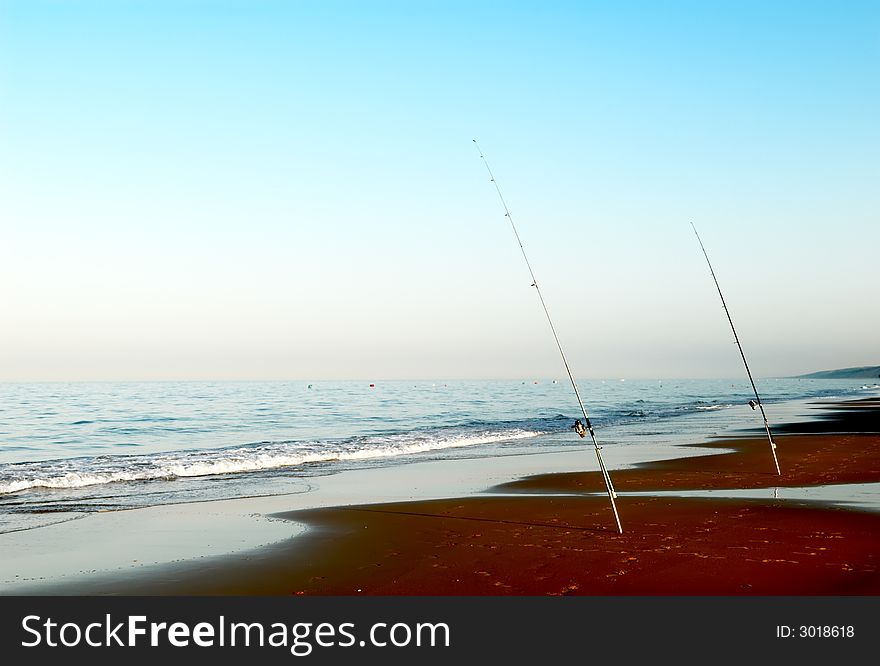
{"x":542,"y":546}
{"x":843,"y":447}
{"x":544,"y":543}
{"x":565,"y":546}
{"x":805,"y":460}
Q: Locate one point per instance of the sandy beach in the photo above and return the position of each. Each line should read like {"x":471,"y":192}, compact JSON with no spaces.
{"x":547,"y":535}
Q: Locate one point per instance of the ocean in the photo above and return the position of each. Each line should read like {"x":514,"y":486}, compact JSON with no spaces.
{"x":69,"y":449}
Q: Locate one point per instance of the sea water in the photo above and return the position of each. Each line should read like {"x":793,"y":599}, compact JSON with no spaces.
{"x":68,"y":449}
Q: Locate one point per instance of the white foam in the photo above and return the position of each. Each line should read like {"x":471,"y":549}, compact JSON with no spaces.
{"x":273,"y":456}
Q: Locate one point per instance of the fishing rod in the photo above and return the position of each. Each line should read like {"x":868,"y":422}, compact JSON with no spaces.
{"x":758,"y":402}
{"x":578,"y":426}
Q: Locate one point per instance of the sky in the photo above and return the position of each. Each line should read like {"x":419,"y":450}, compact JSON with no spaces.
{"x":289,"y":190}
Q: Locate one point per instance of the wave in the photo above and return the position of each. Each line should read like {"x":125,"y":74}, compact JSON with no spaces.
{"x":97,"y":470}
{"x":81,"y":473}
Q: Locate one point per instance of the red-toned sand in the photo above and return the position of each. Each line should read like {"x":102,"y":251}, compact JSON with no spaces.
{"x":544,"y":546}
{"x":564,"y":546}
{"x":547,"y":546}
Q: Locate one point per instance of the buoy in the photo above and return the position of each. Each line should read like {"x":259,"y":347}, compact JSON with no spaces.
{"x":372,"y":386}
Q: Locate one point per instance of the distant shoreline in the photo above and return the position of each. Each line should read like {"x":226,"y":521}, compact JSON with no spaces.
{"x":861,"y":372}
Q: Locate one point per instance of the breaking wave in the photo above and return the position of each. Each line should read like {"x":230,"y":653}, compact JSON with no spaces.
{"x":83,"y":472}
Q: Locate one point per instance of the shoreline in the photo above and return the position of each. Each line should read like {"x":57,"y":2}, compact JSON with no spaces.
{"x":536,"y":541}
{"x":805,"y":460}
{"x":134,"y":541}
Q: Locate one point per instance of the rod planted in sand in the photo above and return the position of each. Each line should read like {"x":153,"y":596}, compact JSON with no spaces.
{"x":612,"y":495}
{"x":741,"y":353}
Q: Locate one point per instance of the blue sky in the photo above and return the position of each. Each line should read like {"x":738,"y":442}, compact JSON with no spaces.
{"x":289,"y":189}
